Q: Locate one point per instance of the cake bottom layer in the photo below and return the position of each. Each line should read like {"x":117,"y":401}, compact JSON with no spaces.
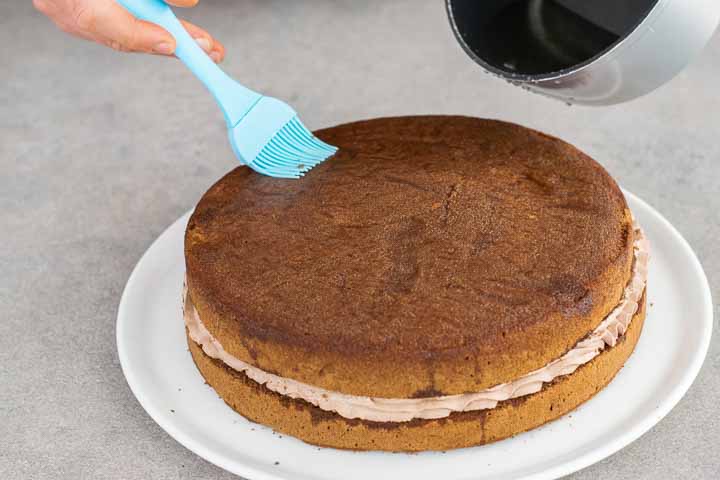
{"x":313,"y":425}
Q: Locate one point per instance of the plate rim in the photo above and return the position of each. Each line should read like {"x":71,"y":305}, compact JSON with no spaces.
{"x":565,"y":468}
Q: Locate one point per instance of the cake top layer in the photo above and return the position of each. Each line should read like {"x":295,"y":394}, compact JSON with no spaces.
{"x":428,"y":247}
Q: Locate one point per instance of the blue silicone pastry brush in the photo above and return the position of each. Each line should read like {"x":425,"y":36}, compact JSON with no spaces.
{"x":265,"y":133}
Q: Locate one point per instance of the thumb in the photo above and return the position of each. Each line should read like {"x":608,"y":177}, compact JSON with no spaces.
{"x":119,"y":29}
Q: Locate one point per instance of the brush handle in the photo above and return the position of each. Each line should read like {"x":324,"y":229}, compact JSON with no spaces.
{"x":234,"y":99}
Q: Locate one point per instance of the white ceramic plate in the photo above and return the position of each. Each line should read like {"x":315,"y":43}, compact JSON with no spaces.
{"x":161,"y":373}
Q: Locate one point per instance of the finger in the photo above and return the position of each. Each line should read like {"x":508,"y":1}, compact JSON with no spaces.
{"x":218,"y":53}
{"x":111,"y":24}
{"x":182,"y":3}
{"x":215,"y":49}
{"x":203,"y":38}
{"x":59,"y":18}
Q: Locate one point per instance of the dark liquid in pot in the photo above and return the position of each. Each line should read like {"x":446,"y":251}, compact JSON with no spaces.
{"x":532,"y":37}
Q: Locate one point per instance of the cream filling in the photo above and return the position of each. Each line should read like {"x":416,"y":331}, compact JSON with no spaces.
{"x":406,"y":409}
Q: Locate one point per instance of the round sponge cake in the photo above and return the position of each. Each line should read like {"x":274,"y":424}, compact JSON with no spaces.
{"x":431,"y":256}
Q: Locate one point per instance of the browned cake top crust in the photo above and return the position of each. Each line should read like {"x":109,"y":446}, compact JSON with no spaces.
{"x":431,"y":255}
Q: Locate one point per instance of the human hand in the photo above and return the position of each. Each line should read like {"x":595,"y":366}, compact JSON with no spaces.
{"x":109,"y":23}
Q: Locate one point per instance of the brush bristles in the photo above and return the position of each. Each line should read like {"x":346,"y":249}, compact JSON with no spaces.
{"x":291,"y":152}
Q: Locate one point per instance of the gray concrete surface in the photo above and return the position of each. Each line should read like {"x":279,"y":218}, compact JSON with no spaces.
{"x":100,"y":151}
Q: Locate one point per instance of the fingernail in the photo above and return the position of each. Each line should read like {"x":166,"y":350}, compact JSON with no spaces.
{"x":163,"y":48}
{"x":215,"y":57}
{"x":204,"y":43}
